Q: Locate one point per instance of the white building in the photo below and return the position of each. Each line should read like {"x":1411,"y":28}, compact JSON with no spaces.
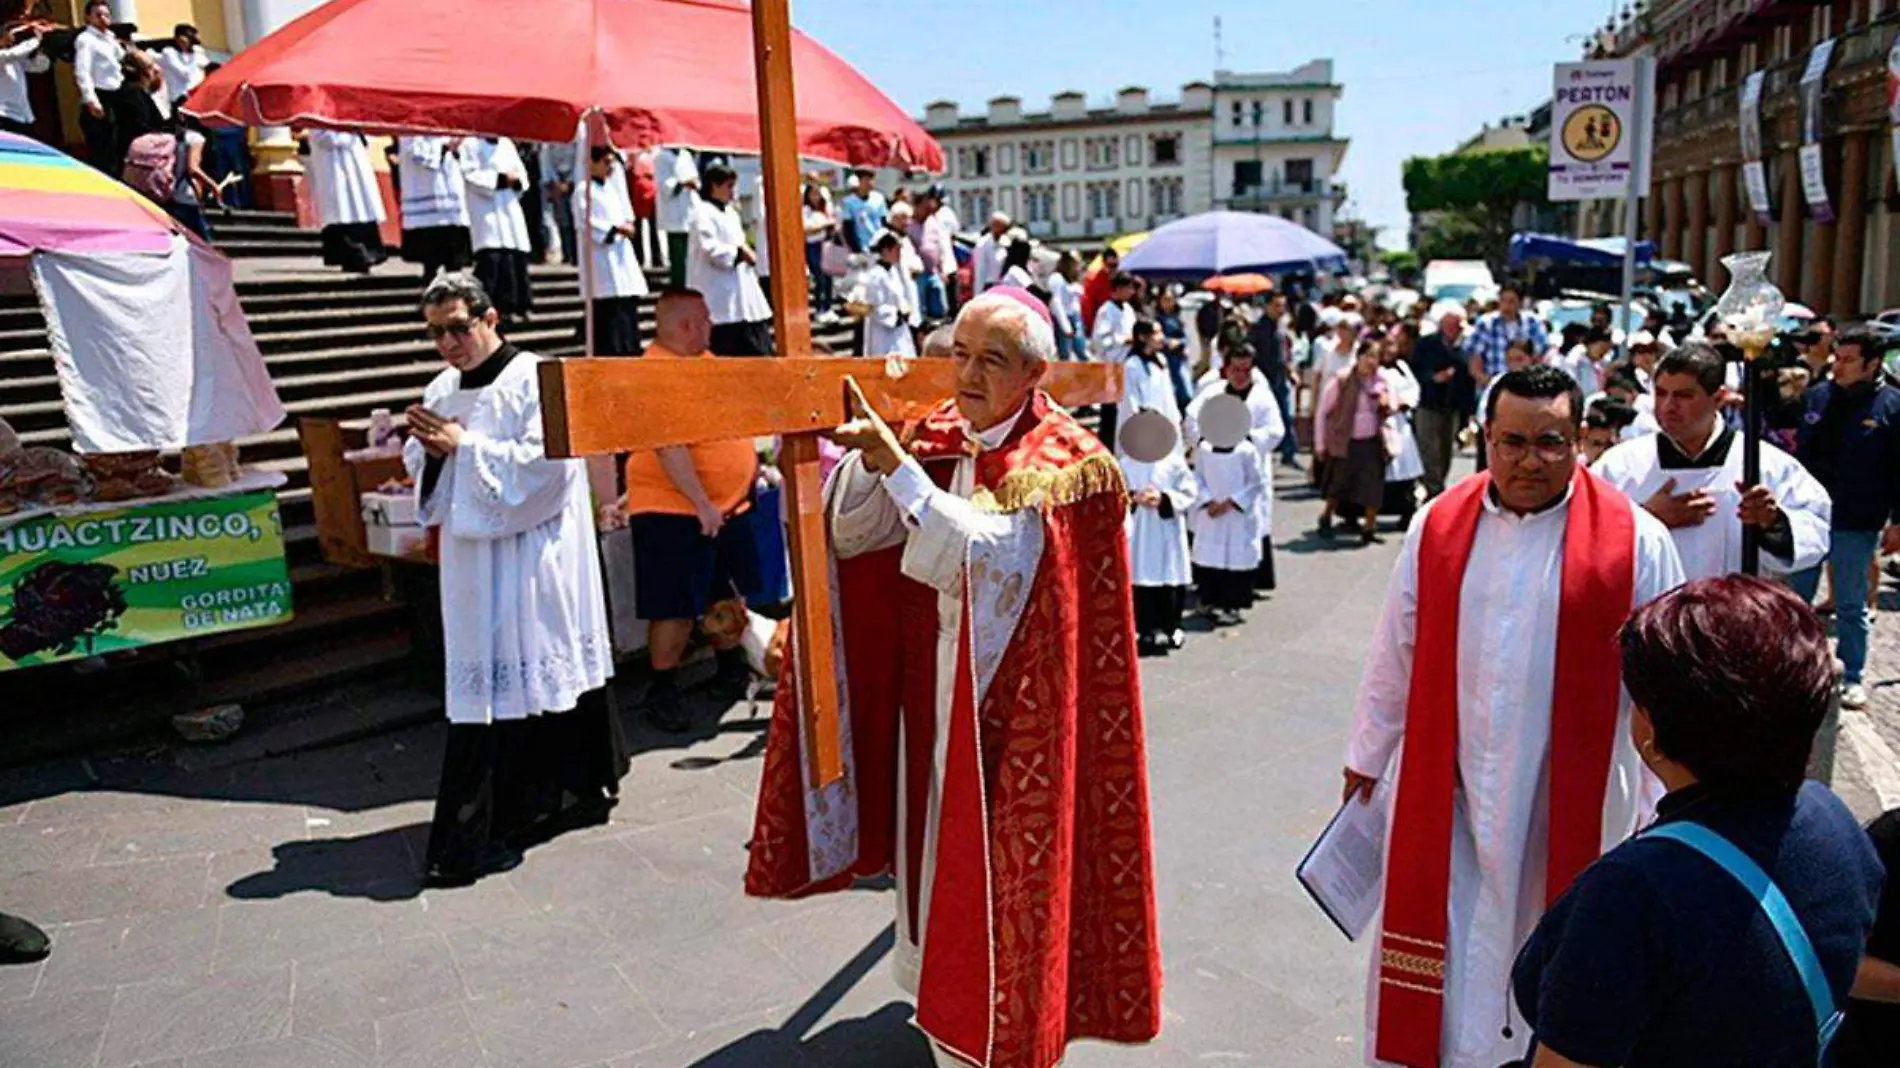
{"x":1074,"y":174}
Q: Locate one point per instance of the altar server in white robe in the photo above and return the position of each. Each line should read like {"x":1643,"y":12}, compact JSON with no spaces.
{"x":1503,"y":736}
{"x":1238,"y":377}
{"x":1407,"y":464}
{"x":891,"y":294}
{"x":615,"y":279}
{"x":434,"y":205}
{"x":498,"y":228}
{"x":1161,"y":491}
{"x":534,"y":746}
{"x":1146,"y":386}
{"x":349,"y":199}
{"x":676,"y":176}
{"x":1231,"y":486}
{"x":1690,"y":474}
{"x":722,"y":266}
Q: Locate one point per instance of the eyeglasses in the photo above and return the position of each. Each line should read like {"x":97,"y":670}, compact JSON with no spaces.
{"x":460,"y":329}
{"x":1551,"y":448}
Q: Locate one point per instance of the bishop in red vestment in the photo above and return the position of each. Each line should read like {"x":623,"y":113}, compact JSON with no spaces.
{"x":994,"y":746}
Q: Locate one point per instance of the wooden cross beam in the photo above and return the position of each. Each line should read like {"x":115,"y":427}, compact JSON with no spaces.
{"x":605,"y":406}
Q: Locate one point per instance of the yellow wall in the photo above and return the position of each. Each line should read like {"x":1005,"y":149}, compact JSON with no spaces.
{"x":157,"y":17}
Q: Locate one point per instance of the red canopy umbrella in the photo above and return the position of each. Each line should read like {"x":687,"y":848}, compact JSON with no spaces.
{"x":672,"y":72}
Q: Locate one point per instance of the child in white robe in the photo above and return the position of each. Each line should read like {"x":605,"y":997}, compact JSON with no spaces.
{"x":1226,"y":533}
{"x":1160,"y":494}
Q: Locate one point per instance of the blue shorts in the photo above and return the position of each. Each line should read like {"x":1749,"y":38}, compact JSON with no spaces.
{"x":678,"y":572}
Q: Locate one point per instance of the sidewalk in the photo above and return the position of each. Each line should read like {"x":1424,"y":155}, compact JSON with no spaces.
{"x":1867,"y":774}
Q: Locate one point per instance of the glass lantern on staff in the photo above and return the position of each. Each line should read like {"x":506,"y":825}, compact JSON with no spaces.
{"x":1749,"y":312}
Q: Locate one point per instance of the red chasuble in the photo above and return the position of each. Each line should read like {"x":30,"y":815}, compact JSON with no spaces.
{"x":1598,"y":585}
{"x":1041,"y":927}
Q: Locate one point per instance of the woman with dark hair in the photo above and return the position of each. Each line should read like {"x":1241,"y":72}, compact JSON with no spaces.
{"x":1174,"y":343}
{"x":1728,"y":933}
{"x":1348,"y":434}
{"x":821,"y":228}
{"x":1016,"y":270}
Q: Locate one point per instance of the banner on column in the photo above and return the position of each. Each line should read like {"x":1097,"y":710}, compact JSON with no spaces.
{"x":1893,"y":98}
{"x":1754,"y":172}
{"x":1599,"y":129}
{"x":1813,"y":173}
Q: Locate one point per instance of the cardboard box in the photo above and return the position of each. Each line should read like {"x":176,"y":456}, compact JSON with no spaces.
{"x":390,"y":509}
{"x":401,"y":541}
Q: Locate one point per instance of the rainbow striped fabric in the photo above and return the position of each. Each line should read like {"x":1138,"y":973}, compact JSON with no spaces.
{"x":51,"y":202}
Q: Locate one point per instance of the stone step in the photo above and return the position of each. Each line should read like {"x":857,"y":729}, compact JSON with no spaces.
{"x":259,"y":249}
{"x":412,"y":329}
{"x":251,"y":217}
{"x":225,"y":232}
{"x":564,"y":300}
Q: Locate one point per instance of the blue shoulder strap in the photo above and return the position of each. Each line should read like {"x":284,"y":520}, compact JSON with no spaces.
{"x":1794,"y":937}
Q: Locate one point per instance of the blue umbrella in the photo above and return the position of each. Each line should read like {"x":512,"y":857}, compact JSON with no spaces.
{"x":1232,"y":242}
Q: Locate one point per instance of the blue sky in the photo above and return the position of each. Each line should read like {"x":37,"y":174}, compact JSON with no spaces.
{"x":1419,"y":77}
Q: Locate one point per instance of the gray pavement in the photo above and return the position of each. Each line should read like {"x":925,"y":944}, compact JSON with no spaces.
{"x":267,"y":915}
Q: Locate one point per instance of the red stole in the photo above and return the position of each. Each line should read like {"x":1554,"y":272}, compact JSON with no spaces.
{"x":1597,"y":587}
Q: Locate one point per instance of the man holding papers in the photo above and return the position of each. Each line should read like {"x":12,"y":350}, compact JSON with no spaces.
{"x":1494,"y":665}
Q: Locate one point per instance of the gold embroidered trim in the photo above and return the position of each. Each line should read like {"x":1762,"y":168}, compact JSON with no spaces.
{"x":1392,"y":936}
{"x":1413,"y":964}
{"x":1403,"y":985}
{"x":1039,"y":486}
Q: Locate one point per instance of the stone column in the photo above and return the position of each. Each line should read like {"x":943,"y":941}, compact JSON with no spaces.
{"x":128,"y":11}
{"x":1794,"y":218}
{"x":276,"y":173}
{"x":1725,"y":179}
{"x":1850,"y":232}
{"x":1672,"y":219}
{"x":1696,"y":242}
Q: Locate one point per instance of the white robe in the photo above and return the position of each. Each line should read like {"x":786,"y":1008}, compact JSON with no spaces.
{"x":678,"y":180}
{"x":1146,"y":386}
{"x":1714,"y":547}
{"x":1228,"y":542}
{"x":1507,"y":646}
{"x":523,"y":619}
{"x":614,"y":270}
{"x":731,"y":288}
{"x":495,"y":218}
{"x":1158,"y":547}
{"x":1114,"y":329}
{"x":937,"y":529}
{"x":892,"y":295}
{"x":342,"y":179}
{"x":433,"y":192}
{"x":1402,"y":386}
{"x":986,"y":262}
{"x":1269,"y":427}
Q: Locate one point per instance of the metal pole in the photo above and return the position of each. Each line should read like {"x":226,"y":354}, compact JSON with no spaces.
{"x":586,"y":164}
{"x":1630,"y":196}
{"x":1751,"y":461}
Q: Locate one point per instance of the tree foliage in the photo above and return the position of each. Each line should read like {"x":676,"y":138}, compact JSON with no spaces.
{"x":1472,"y":198}
{"x":1402,"y":262}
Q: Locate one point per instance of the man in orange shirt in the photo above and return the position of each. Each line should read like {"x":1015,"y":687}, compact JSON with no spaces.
{"x":692,"y":540}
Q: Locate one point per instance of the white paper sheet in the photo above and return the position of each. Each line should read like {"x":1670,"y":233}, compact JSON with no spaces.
{"x":1345,"y":870}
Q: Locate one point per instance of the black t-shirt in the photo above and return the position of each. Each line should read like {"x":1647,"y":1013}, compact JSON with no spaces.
{"x":1870,"y":1037}
{"x":1658,"y":958}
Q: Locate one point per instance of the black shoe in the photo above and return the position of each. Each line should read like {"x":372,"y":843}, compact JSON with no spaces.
{"x":21,"y":942}
{"x":734,"y":675}
{"x":666,"y":712}
{"x":1370,"y":536}
{"x":1326,"y":529}
{"x":497,"y":858}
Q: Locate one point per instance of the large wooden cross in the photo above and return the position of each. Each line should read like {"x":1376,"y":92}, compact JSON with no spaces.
{"x":606,"y":406}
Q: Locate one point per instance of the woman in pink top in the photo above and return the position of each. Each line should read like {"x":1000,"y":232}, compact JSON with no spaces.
{"x":1347,"y":436}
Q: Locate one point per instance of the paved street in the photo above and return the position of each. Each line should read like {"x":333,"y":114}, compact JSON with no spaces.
{"x":267,"y":916}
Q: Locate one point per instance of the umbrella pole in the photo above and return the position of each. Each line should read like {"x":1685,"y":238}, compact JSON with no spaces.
{"x":587,"y":246}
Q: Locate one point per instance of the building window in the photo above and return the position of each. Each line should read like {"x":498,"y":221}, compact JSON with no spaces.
{"x":974,"y":205}
{"x":1165,"y":150}
{"x":1006,"y":159}
{"x":1102,"y":197}
{"x":1039,"y":203}
{"x":1246,"y":177}
{"x":1299,"y":175}
{"x":1286,"y":112}
{"x":979,"y":164}
{"x":1164,"y":197}
{"x":1039,"y":157}
{"x":1131,"y":151}
{"x":1237,"y":114}
{"x":1101,"y":152}
{"x":1135,"y":203}
{"x":1259,"y":109}
{"x":1071,"y":202}
{"x":1070,"y":158}
{"x":1306,"y":109}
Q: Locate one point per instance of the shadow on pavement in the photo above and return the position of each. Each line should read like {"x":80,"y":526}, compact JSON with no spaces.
{"x":885,"y":1038}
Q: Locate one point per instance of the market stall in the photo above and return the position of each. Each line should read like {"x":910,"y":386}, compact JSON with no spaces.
{"x":149,"y":529}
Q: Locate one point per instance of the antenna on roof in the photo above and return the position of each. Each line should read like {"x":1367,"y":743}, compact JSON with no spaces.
{"x":1220,"y":54}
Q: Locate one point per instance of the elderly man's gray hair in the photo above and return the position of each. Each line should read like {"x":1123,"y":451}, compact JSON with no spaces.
{"x":941,"y":342}
{"x":447,"y":287}
{"x":1036,"y":336}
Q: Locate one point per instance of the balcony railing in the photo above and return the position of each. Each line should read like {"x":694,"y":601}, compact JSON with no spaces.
{"x":1285,"y":190}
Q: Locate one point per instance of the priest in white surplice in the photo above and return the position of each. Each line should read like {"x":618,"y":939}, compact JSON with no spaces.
{"x":349,"y":199}
{"x":534,"y":746}
{"x":1492,"y":699}
{"x":1689,"y":476}
{"x":498,"y":228}
{"x":615,"y":279}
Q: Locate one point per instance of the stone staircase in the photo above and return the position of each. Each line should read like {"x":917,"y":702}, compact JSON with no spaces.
{"x":338,"y":346}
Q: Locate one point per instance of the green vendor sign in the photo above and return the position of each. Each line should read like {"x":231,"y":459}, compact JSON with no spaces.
{"x":77,"y":585}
